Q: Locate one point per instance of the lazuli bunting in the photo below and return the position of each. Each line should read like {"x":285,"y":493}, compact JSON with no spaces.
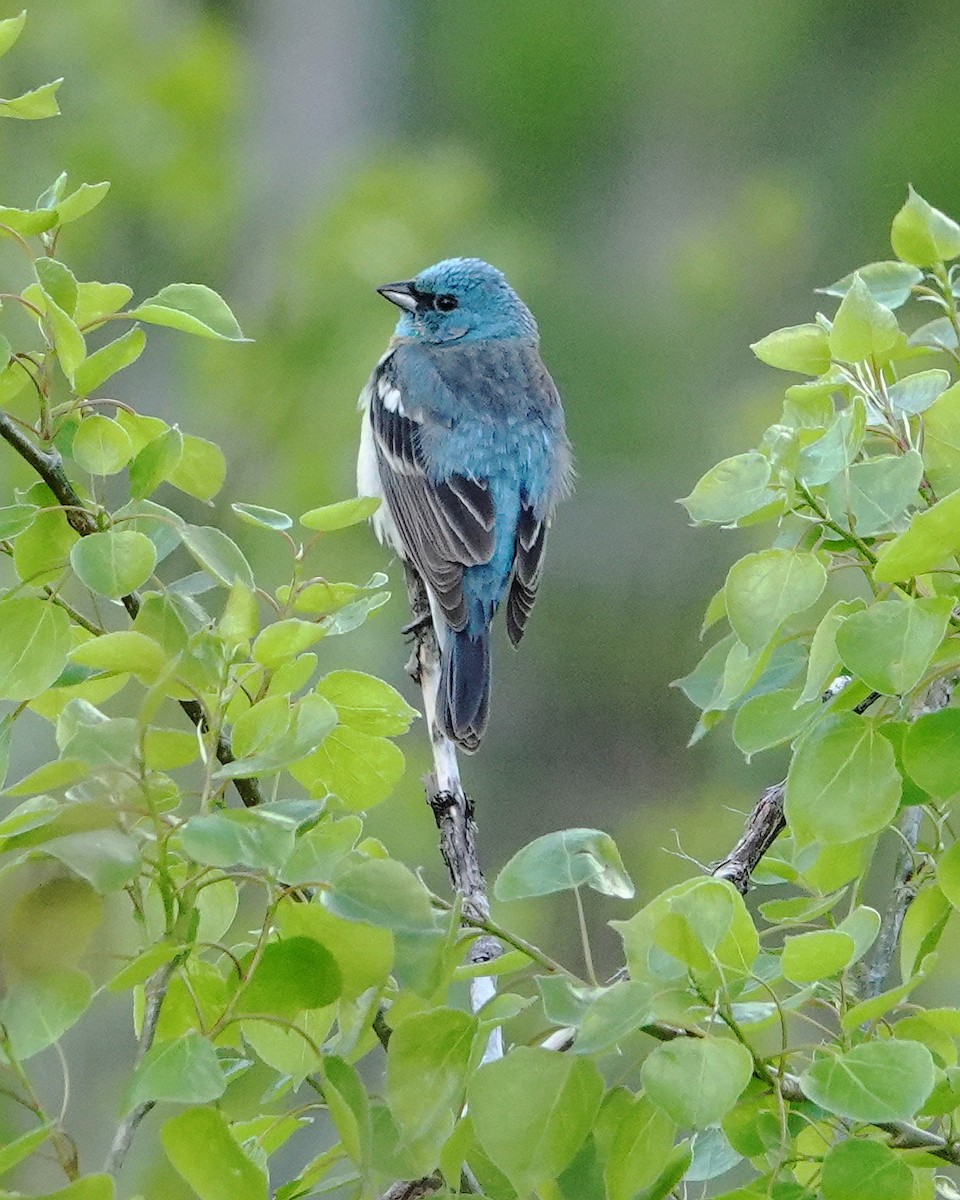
{"x":463,"y":439}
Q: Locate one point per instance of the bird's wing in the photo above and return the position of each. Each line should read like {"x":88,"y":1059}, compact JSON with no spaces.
{"x":528,"y":565}
{"x":444,"y":525}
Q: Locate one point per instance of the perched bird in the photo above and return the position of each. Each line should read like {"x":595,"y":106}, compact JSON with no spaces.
{"x":463,"y":438}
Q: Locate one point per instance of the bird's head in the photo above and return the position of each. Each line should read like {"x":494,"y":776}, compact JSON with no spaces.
{"x":459,"y":299}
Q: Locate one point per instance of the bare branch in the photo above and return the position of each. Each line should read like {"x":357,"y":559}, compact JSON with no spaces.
{"x":156,"y":990}
{"x":49,"y":466}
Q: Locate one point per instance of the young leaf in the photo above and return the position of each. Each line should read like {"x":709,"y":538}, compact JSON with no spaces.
{"x":818,"y":954}
{"x":869,"y":496}
{"x":10,"y":30}
{"x":890,"y":644}
{"x":890,"y":283}
{"x":361,"y":770}
{"x":730,"y":490}
{"x":104,"y":363}
{"x":155,"y":462}
{"x":83,"y":200}
{"x":367,"y":703}
{"x":917,"y":392}
{"x":185,"y":1071}
{"x":340,"y":515}
{"x":932,"y":536}
{"x":217,"y":554}
{"x":35,"y":105}
{"x":100,"y":445}
{"x":863,"y":328}
{"x":192,"y":308}
{"x":200,"y":470}
{"x":923,"y":235}
{"x":33,"y":648}
{"x":763,"y":589}
{"x":266,"y":518}
{"x":803,"y":348}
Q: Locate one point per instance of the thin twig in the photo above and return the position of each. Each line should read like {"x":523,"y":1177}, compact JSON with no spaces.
{"x":49,"y":466}
{"x":904,"y":893}
{"x":156,"y":990}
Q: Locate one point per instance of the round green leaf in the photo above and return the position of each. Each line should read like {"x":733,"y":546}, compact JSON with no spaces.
{"x":367,"y":703}
{"x":532,"y":1111}
{"x":293,"y":974}
{"x":217,"y":554}
{"x":284,"y":640}
{"x":360,"y":769}
{"x":891,"y":283}
{"x":856,"y":1168}
{"x":696,"y":1081}
{"x":428,"y":1059}
{"x":186,"y":1071}
{"x":770,"y":719}
{"x":843,"y":782}
{"x":890,"y":644}
{"x":155,"y":462}
{"x":869,"y":496}
{"x":819,"y":954}
{"x":205,"y":1153}
{"x":876,"y":1081}
{"x":200,"y":469}
{"x":383,"y":892}
{"x":114,"y":562}
{"x":931,"y":752}
{"x":917,"y":392}
{"x":564,"y":861}
{"x":763,"y":589}
{"x":124,"y":650}
{"x":730,"y":490}
{"x":101,"y":446}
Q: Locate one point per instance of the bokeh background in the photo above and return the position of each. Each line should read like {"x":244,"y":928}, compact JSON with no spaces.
{"x":663,"y":183}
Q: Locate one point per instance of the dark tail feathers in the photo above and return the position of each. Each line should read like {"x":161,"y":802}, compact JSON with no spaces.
{"x":463,"y":704}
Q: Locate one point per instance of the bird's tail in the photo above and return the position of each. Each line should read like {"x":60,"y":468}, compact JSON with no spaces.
{"x":463,"y":703}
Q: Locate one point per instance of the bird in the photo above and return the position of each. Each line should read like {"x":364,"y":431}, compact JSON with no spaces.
{"x":463,"y":439}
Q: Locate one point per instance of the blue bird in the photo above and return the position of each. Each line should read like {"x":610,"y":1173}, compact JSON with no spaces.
{"x":463,"y":439}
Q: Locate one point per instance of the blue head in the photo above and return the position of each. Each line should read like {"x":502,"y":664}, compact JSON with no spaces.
{"x":459,"y":299}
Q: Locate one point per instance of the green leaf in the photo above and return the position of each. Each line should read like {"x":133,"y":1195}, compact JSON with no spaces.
{"x":819,"y":954}
{"x":382,"y":892}
{"x":863,"y":925}
{"x":563,"y":861}
{"x":88,"y":1187}
{"x":265,"y":518}
{"x":203,"y":1151}
{"x":293,"y":974}
{"x":139,"y":969}
{"x":35,"y":105}
{"x":428,"y":1059}
{"x":366,"y":703}
{"x":890,"y":283}
{"x":25,"y":221}
{"x":349,"y":1108}
{"x":890,"y":644}
{"x":104,"y":363}
{"x":340,"y":515}
{"x":114,"y":562}
{"x":869,"y":496}
{"x":97,"y":300}
{"x":67,"y":338}
{"x":863,"y":328}
{"x":58,"y":282}
{"x":825,"y":458}
{"x":284,"y":640}
{"x":361,"y":770}
{"x":613,"y":1015}
{"x":10,"y":30}
{"x":876,"y":1081}
{"x":922,"y":235}
{"x":83,"y":200}
{"x":191,"y":308}
{"x":217,"y":554}
{"x":730,"y":490}
{"x":763,"y":589}
{"x":155,"y":462}
{"x":33,"y":648}
{"x":803,"y":348}
{"x":532,"y":1111}
{"x":931,"y":537}
{"x":770,"y":719}
{"x":186,"y":1071}
{"x":101,"y":446}
{"x":15,"y":518}
{"x":200,"y":470}
{"x":938,"y":334}
{"x":843,"y":782}
{"x":857,"y":1167}
{"x":39,"y":1008}
{"x":252,"y":837}
{"x":931,"y":752}
{"x":642,"y":1139}
{"x":917,"y":392}
{"x":106,"y":858}
{"x":696,"y":1081}
{"x":306,"y":726}
{"x":122,"y":651}
{"x":941,"y":441}
{"x":22,"y":1147}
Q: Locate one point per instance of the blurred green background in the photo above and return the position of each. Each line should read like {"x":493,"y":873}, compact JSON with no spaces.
{"x":663,"y":183}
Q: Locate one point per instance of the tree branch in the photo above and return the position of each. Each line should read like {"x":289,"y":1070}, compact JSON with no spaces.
{"x":49,"y":466}
{"x":156,"y":990}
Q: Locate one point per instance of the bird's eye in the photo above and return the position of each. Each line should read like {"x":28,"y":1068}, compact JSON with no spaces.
{"x":446,"y":303}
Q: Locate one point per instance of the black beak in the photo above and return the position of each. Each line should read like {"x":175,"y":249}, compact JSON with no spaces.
{"x":403,"y":295}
